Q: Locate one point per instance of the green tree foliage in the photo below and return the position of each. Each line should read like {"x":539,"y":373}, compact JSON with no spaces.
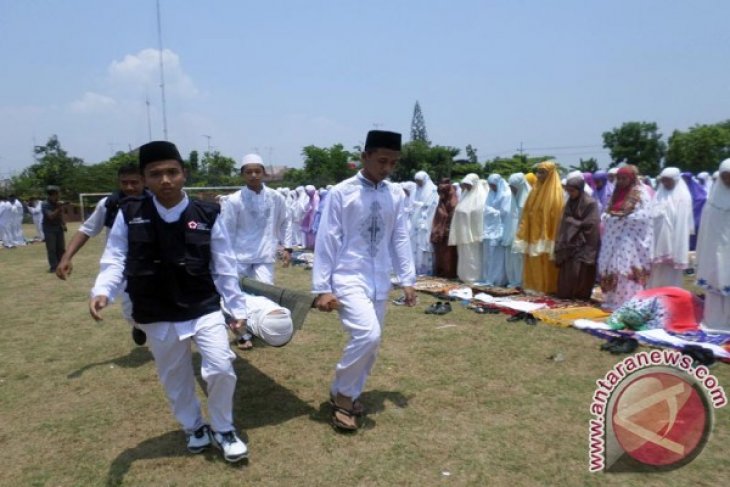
{"x":701,"y":148}
{"x":517,"y":163}
{"x":53,"y":166}
{"x":464,"y":167}
{"x":217,"y":170}
{"x":638,"y":143}
{"x":418,"y":125}
{"x":323,"y":166}
{"x":419,"y":155}
{"x":471,"y":154}
{"x":587,"y":165}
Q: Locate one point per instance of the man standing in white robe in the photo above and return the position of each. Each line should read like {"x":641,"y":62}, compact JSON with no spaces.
{"x":256,"y":218}
{"x":6,"y":213}
{"x":363,"y":235}
{"x":425,"y":202}
{"x":37,"y":215}
{"x":713,"y":253}
{"x":671,"y":211}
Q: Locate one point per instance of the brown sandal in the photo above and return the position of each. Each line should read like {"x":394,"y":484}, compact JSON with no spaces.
{"x":358,"y":408}
{"x":349,"y":414}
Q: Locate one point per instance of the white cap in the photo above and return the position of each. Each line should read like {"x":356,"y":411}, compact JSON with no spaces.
{"x":252,"y":159}
{"x":276,"y":328}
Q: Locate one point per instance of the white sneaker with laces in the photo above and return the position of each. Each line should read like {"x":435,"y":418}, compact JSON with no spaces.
{"x":199,"y":440}
{"x":231,"y":445}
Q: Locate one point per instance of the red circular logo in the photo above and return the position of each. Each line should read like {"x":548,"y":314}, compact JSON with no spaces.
{"x":661,"y":419}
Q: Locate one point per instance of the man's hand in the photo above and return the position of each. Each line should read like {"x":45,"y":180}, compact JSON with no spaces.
{"x":237,"y":325}
{"x":326,"y":302}
{"x":64,"y":269}
{"x":410,"y":295}
{"x":96,"y":304}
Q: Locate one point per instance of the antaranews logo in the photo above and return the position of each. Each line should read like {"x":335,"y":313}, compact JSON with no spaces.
{"x":652,"y":411}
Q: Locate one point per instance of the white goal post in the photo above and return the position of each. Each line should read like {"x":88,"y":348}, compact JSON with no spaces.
{"x":208,"y":192}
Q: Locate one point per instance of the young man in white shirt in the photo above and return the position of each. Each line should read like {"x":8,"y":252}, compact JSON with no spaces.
{"x":130,"y":184}
{"x":363,"y":235}
{"x":176,"y":258}
{"x":256,"y":220}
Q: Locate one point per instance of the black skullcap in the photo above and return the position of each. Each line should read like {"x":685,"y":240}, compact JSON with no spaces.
{"x":52,"y":189}
{"x":158,"y":150}
{"x":382,"y":139}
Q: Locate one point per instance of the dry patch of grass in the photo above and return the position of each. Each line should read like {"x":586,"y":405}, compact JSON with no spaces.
{"x":467,"y":394}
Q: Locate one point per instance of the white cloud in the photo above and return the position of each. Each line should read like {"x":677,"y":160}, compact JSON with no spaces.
{"x":92,"y":102}
{"x":141,"y":71}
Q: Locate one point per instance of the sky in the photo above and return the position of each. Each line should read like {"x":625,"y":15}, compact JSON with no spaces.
{"x":274,"y":76}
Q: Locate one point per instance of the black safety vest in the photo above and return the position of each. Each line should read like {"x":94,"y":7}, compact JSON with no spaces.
{"x":168,"y":264}
{"x":112,"y":207}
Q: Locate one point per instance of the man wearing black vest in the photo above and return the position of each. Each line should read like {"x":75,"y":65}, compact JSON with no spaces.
{"x":178,"y":263}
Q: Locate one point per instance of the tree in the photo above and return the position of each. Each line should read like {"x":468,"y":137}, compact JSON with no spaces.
{"x":218,"y":169}
{"x":53,"y":167}
{"x":418,"y":155}
{"x":637,"y":143}
{"x":701,"y":148}
{"x":517,"y":163}
{"x":323,"y":166}
{"x":588,"y":165}
{"x":418,"y":125}
{"x":471,"y":154}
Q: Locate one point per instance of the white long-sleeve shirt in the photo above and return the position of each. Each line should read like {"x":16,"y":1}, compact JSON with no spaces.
{"x":222,"y":267}
{"x":93,"y":225}
{"x":36,"y":211}
{"x":257,"y":224}
{"x":363,"y":235}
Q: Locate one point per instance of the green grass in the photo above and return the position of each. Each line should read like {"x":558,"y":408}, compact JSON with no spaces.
{"x":81,"y":405}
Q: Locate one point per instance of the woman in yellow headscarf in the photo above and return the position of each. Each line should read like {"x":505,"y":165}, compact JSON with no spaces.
{"x":539,"y":229}
{"x":531,"y":178}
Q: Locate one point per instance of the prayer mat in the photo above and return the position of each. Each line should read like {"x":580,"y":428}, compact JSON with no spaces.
{"x":564,"y":317}
{"x":496,"y":290}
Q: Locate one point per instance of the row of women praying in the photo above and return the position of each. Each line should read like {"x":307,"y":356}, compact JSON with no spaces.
{"x":614,"y":228}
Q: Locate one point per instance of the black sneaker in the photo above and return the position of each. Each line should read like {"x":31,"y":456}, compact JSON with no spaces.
{"x":138,"y":336}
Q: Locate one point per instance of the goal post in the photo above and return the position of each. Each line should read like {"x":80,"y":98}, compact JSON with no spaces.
{"x":88,"y":201}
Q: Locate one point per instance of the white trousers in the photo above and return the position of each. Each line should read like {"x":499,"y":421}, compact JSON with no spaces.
{"x":257,"y":272}
{"x":514,"y":263}
{"x":174,"y":361}
{"x":717,"y":311}
{"x":663,"y":275}
{"x":363,"y":320}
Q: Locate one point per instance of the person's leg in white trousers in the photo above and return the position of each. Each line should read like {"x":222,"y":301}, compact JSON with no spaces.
{"x":173,"y":358}
{"x":363,"y":320}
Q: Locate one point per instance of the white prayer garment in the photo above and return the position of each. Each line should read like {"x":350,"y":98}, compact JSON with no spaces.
{"x":257,"y":224}
{"x":671,"y":211}
{"x":362,"y":236}
{"x":93,"y":225}
{"x":496,"y":217}
{"x":6,"y":214}
{"x":467,"y":228}
{"x":425,"y":203}
{"x":520,"y":189}
{"x":37,"y":214}
{"x":713,"y":254}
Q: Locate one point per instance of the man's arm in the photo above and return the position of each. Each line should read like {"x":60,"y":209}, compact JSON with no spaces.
{"x":225,"y":275}
{"x":111,"y":275}
{"x":326,"y":248}
{"x":402,"y":254}
{"x":90,"y":228}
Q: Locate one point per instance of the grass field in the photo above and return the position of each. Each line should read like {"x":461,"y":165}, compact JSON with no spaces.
{"x":463,"y":399}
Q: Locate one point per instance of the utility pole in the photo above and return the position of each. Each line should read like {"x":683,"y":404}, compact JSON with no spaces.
{"x":208,"y":137}
{"x":162,"y":72}
{"x":149,"y":120}
{"x":520,"y":149}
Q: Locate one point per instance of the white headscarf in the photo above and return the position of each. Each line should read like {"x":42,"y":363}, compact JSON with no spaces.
{"x":577,"y":174}
{"x":427,"y":192}
{"x":497,"y":208}
{"x":673,"y":220}
{"x":517,"y":203}
{"x":706,"y":180}
{"x":467,"y":225}
{"x":713,"y":241}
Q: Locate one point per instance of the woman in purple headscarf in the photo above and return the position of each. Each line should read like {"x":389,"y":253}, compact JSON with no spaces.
{"x":604,"y":189}
{"x":590,"y":182}
{"x":699,"y":196}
